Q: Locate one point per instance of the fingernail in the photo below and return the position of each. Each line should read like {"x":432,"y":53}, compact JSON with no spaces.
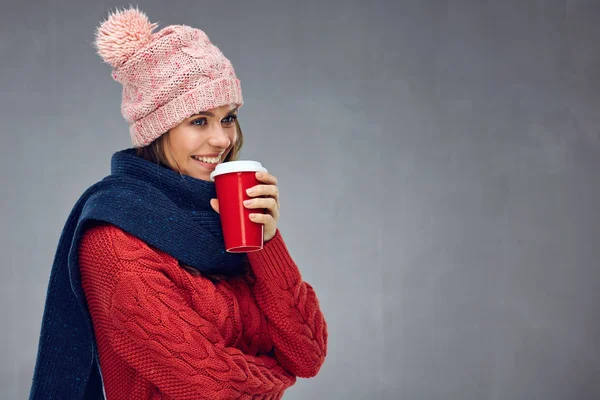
{"x":250,"y":191}
{"x":247,"y":202}
{"x":259,"y":175}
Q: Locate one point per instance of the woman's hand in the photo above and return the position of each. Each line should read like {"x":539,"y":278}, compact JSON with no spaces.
{"x":265,"y":196}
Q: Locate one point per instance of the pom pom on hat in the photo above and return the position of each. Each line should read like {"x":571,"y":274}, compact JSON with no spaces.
{"x":166,"y":76}
{"x":122,"y":34}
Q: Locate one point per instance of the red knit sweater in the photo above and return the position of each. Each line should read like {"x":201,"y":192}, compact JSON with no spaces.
{"x":163,"y":333}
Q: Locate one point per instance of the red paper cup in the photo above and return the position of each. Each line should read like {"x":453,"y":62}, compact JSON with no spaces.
{"x":231,"y":181}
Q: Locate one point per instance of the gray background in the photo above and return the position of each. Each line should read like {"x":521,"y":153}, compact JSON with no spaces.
{"x":438,"y":165}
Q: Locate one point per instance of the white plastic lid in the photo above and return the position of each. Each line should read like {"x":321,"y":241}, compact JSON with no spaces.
{"x":237,"y":166}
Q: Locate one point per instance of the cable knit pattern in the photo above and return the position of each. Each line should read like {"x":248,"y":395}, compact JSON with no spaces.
{"x":296,"y":324}
{"x":163,"y":333}
{"x":167,"y":75}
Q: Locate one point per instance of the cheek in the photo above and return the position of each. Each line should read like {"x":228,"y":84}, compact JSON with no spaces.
{"x":175,"y":148}
{"x":185,"y":142}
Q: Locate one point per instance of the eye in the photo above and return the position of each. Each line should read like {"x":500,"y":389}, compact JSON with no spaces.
{"x":229,"y":120}
{"x":199,"y":121}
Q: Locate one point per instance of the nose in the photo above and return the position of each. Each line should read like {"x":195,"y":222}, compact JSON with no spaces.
{"x":219,"y":138}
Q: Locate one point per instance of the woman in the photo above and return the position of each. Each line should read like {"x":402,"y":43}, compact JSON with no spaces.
{"x":143,"y":300}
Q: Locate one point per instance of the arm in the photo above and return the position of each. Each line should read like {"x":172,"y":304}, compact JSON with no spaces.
{"x":154,"y":329}
{"x":296,"y":323}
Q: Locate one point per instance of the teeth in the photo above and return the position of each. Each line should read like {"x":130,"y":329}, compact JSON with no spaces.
{"x":210,"y":160}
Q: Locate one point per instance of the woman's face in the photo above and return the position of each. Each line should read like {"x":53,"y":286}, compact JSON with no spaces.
{"x":202,"y":141}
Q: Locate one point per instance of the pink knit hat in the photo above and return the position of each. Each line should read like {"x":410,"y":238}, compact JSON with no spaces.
{"x":167,"y":76}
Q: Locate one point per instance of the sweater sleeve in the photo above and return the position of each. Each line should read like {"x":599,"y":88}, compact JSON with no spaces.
{"x":296,"y":323}
{"x":153,"y":328}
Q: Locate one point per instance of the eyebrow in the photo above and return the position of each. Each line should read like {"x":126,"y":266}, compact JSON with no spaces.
{"x":210,"y":114}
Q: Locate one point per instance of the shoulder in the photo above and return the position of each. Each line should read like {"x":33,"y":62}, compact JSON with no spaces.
{"x":106,"y":241}
{"x":105,"y":231}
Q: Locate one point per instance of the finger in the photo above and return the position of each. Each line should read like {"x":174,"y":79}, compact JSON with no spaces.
{"x":263,"y":190}
{"x":269,"y":205}
{"x":266,"y":177}
{"x":262,"y":202}
{"x":262,"y":218}
{"x":215,"y":205}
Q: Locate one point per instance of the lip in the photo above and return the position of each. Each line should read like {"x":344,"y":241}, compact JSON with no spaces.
{"x":206,"y":165}
{"x":207,"y":155}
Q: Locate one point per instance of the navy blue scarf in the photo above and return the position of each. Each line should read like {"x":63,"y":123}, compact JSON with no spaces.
{"x":167,"y":210}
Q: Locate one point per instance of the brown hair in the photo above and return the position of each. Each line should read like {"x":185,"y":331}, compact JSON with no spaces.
{"x":155,"y":153}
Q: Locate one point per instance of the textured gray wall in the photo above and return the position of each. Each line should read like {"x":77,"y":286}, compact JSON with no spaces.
{"x":438,"y":166}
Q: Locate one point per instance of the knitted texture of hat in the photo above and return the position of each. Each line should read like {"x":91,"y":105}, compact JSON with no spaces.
{"x":167,"y":76}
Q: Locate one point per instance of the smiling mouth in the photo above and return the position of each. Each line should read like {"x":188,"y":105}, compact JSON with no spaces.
{"x":207,"y":165}
{"x":207,"y":160}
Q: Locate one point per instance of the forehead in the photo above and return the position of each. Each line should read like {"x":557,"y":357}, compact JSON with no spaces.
{"x":217,"y":110}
